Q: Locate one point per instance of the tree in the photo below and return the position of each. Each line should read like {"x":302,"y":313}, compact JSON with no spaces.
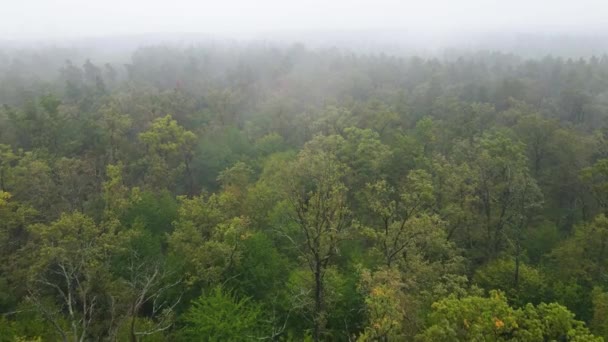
{"x":333,"y":120}
{"x":456,"y":197}
{"x":118,"y":198}
{"x":596,"y":179}
{"x":403,"y":218}
{"x":206,"y":240}
{"x":414,"y":252}
{"x":145,"y":282}
{"x":4,"y":197}
{"x":479,"y":318}
{"x":72,"y":76}
{"x":77,"y":185}
{"x":364,"y":154}
{"x":142,"y":279}
{"x":317,"y":197}
{"x":574,"y":104}
{"x":7,"y":161}
{"x":15,"y":217}
{"x":507,"y":195}
{"x":33,"y":184}
{"x":599,"y":322}
{"x":386,"y":305}
{"x":584,"y":256}
{"x":69,"y":265}
{"x":529,"y":287}
{"x":169,"y":153}
{"x":115,"y":126}
{"x":537,"y":134}
{"x":220,"y":315}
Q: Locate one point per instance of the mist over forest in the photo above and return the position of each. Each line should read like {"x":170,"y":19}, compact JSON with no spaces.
{"x":306,"y":178}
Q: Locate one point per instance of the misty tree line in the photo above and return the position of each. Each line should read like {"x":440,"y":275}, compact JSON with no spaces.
{"x":227,"y":193}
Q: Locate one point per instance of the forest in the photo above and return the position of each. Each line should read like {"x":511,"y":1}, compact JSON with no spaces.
{"x":252,"y":192}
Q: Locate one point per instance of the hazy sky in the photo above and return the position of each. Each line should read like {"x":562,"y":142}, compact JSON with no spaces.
{"x":77,"y":18}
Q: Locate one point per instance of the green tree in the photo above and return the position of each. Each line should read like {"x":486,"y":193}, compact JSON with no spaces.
{"x":115,"y":126}
{"x":7,"y":161}
{"x":33,"y":184}
{"x":170,"y":150}
{"x":596,"y":179}
{"x":531,"y":286}
{"x":206,"y":241}
{"x":386,"y":305}
{"x":15,"y":217}
{"x":220,"y":315}
{"x":69,"y":265}
{"x":76,"y":184}
{"x":506,"y":193}
{"x":537,"y":133}
{"x":117,"y":197}
{"x":316,"y":194}
{"x":584,"y":256}
{"x":403,"y":217}
{"x":599,"y":322}
{"x":480,"y":318}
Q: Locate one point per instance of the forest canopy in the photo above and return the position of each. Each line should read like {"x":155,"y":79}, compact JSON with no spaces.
{"x":255,"y":192}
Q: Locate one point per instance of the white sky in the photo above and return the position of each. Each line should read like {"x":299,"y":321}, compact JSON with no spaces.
{"x":77,"y":18}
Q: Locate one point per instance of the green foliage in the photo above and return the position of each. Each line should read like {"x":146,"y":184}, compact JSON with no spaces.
{"x":262,"y":271}
{"x":68,"y":262}
{"x":479,"y":318}
{"x":599,"y":322}
{"x":169,"y":152}
{"x":269,"y":144}
{"x":156,"y":211}
{"x":596,"y":178}
{"x":507,"y":196}
{"x":337,"y":194}
{"x":218,"y":150}
{"x":114,"y":126}
{"x":582,"y":256}
{"x":386,"y":306}
{"x":220,"y":315}
{"x":205,"y":241}
{"x":531,"y":286}
{"x":26,"y":325}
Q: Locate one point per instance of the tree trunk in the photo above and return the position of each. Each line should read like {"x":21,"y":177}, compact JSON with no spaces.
{"x":132,"y":336}
{"x":516,"y":278}
{"x":189,"y":177}
{"x":319,"y":315}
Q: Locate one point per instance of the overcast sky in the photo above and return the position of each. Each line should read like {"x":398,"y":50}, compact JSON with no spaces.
{"x":78,"y":18}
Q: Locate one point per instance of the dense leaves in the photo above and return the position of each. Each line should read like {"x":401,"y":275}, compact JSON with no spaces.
{"x":237,"y":193}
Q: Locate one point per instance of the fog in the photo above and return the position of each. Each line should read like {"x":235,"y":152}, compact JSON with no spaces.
{"x":111,"y":30}
{"x":310,"y":170}
{"x":41,"y":19}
